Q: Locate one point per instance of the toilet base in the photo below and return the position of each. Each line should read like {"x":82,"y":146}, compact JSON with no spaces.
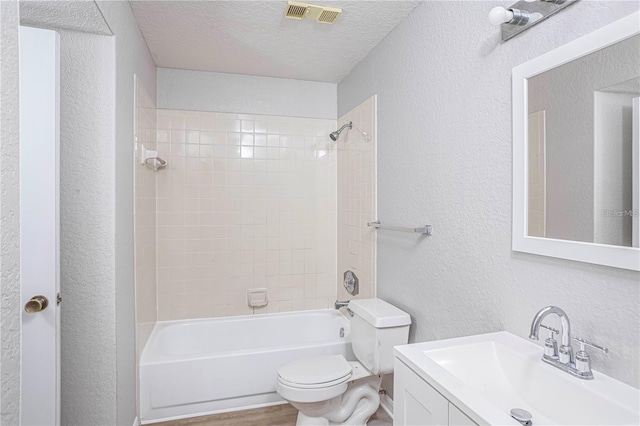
{"x":360,"y":401}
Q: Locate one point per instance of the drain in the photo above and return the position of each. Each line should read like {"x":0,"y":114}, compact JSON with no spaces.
{"x":522,"y":416}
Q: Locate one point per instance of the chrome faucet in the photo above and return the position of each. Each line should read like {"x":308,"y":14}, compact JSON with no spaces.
{"x":340,"y":304}
{"x":344,"y":304}
{"x":563,"y":358}
{"x":565,"y":353}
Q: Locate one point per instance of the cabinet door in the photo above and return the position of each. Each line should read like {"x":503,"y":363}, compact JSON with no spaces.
{"x":415,"y":402}
{"x":458,"y":418}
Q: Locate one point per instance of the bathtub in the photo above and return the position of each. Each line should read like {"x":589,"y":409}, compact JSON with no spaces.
{"x":198,"y":367}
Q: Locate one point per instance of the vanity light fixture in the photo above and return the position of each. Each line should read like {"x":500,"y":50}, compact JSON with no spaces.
{"x":499,"y":15}
{"x":524,"y":14}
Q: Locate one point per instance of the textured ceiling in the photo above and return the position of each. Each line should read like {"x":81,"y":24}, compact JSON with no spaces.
{"x":78,"y":15}
{"x":254,"y":38}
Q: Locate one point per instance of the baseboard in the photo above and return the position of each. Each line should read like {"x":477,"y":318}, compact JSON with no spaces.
{"x":136,"y":422}
{"x":387,"y":404}
{"x":210,"y":413}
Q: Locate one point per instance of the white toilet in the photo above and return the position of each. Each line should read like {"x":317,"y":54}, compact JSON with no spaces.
{"x":329,"y":390}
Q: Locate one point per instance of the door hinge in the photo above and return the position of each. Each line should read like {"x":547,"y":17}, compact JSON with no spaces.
{"x":58,"y":299}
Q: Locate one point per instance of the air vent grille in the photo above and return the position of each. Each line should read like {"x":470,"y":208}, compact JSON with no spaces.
{"x":328,"y":16}
{"x":296,"y":10}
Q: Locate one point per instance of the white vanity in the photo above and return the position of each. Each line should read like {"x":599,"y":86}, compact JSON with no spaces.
{"x":480,"y":379}
{"x":419,"y":403}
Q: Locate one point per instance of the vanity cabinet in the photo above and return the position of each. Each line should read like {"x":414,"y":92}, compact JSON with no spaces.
{"x":416,"y":403}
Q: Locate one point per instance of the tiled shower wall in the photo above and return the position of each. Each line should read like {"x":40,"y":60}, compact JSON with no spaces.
{"x":246,"y":201}
{"x":145,"y":218}
{"x":357,"y":199}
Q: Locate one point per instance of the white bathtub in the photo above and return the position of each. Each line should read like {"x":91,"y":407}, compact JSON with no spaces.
{"x":197,"y":367}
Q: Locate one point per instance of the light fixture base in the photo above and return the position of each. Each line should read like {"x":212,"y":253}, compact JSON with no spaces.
{"x":538,"y":11}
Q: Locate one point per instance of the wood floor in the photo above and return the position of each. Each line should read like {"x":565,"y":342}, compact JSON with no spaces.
{"x":277,"y":415}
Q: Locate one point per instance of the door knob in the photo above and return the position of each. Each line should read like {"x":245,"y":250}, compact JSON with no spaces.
{"x":36,"y":304}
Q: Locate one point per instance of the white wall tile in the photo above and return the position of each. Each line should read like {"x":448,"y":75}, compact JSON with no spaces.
{"x":239,"y":207}
{"x":356,"y":189}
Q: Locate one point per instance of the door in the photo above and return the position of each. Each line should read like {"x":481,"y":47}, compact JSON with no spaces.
{"x":39,"y":225}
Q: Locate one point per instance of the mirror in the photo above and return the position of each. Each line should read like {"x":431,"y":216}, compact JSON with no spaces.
{"x":576,"y":149}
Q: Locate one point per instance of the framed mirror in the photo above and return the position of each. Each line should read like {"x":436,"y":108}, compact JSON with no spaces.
{"x":576,"y":149}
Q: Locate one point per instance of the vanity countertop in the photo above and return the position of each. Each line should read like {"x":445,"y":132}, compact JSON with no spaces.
{"x":487,"y":375}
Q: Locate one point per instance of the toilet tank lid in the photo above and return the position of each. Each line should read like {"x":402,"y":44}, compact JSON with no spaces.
{"x":379,"y":313}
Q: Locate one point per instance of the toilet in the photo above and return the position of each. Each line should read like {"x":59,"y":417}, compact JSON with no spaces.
{"x":329,"y":390}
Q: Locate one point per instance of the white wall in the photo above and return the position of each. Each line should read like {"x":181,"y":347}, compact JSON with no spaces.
{"x":132,"y":57}
{"x":87,"y":283}
{"x":98,"y":347}
{"x":10,"y":312}
{"x":444,"y":157}
{"x":216,"y":92}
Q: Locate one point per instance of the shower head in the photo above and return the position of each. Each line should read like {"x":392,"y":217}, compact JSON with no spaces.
{"x":335,"y":135}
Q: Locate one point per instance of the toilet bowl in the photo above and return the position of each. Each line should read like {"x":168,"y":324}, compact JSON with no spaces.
{"x":329,"y":390}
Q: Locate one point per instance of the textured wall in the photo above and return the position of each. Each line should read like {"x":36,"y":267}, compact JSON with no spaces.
{"x":88,"y":324}
{"x":132,"y":57}
{"x":209,"y":91}
{"x":357,"y":199}
{"x":9,"y":216}
{"x":246,"y":201}
{"x":444,"y":156}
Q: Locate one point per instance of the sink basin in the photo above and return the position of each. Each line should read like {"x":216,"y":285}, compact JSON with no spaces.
{"x":487,"y":375}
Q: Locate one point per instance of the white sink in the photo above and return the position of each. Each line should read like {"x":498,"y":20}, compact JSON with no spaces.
{"x":489,"y":374}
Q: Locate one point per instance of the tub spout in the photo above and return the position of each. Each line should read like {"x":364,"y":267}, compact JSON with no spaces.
{"x":340,"y":304}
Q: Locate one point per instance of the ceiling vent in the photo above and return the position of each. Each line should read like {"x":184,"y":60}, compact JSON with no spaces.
{"x":329,"y":15}
{"x":296,"y":10}
{"x":326,"y":15}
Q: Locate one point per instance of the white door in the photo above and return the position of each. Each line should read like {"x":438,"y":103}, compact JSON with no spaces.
{"x":635,"y":187}
{"x":39,"y":225}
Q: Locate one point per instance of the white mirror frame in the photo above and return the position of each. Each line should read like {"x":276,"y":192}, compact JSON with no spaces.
{"x":599,"y":254}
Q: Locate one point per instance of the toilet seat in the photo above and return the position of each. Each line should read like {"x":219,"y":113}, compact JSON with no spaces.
{"x":315,"y":385}
{"x":315,"y":372}
{"x":314,"y":379}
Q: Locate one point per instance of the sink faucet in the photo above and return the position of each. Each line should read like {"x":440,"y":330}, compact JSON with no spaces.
{"x":565,"y":353}
{"x":563,"y":358}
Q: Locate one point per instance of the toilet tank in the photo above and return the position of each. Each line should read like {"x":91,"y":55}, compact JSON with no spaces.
{"x":376,"y":327}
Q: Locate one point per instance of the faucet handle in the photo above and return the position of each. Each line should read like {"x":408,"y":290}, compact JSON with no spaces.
{"x":583,"y":360}
{"x":584,"y":342}
{"x":551,"y":330}
{"x":550,"y":344}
